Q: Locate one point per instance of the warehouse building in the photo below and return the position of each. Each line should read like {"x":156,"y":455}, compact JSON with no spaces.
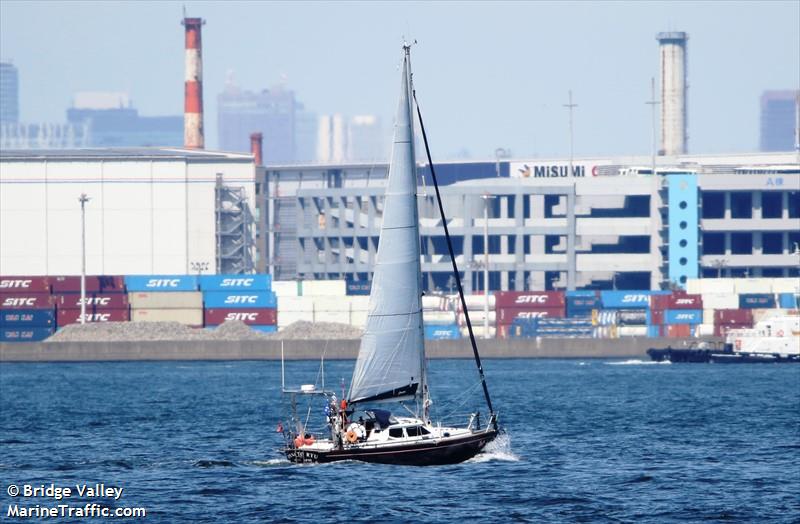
{"x":150,"y":211}
{"x":607,"y":224}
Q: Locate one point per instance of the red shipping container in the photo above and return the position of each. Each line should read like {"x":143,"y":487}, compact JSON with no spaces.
{"x":73,"y":316}
{"x":24,"y":285}
{"x":26,"y":301}
{"x":656,"y":317}
{"x":733,"y":316}
{"x":679,"y":330}
{"x":684,"y":301}
{"x":506,"y":316}
{"x":529,"y":299}
{"x":659,"y":302}
{"x":93,"y":301}
{"x":253,"y":317}
{"x":502,"y":331}
{"x":94,"y":284}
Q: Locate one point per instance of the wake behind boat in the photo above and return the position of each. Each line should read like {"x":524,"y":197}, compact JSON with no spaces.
{"x":391,"y":365}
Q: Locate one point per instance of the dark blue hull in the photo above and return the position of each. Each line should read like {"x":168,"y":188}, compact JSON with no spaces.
{"x":717,"y":356}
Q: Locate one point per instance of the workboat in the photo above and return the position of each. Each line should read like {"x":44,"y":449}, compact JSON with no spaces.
{"x":772,"y":340}
{"x":390,"y":371}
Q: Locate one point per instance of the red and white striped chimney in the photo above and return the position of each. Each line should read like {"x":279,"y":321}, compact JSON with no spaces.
{"x":256,"y":148}
{"x":193,"y":106}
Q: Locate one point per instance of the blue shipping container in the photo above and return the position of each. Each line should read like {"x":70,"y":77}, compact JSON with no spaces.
{"x":22,"y":318}
{"x":239,"y":299}
{"x":583,"y":302}
{"x":358,"y":288}
{"x":789,"y":300}
{"x":8,"y":334}
{"x":625,"y":299}
{"x":260,"y":282}
{"x":448,"y":332}
{"x":136,"y":283}
{"x":265,"y":329}
{"x":582,"y":293}
{"x":756,"y":301}
{"x":654,"y":331}
{"x":683,"y":316}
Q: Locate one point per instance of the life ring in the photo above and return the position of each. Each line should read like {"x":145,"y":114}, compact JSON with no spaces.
{"x":351,"y":436}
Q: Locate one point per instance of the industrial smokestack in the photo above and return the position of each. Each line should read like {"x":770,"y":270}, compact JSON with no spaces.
{"x":674,"y":135}
{"x":256,"y":147}
{"x":193,"y":106}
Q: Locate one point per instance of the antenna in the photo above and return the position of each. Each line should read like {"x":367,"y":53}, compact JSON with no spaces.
{"x":283,"y":377}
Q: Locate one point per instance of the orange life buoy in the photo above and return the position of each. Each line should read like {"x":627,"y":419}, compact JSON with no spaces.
{"x":351,"y":436}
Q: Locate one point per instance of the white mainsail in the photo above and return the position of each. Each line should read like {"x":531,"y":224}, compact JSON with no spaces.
{"x":391,"y":359}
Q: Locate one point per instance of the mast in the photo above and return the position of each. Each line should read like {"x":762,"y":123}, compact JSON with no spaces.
{"x":493,"y":418}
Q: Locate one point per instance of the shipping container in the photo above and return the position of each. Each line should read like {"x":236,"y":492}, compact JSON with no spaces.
{"x":26,"y":301}
{"x":605,"y":317}
{"x":361,"y":287}
{"x":476,"y":301}
{"x":358,"y":303}
{"x":720,"y":301}
{"x":582,"y":293}
{"x":583,"y":303}
{"x":786,"y":285}
{"x":161,"y":283}
{"x":766,"y":314}
{"x":625,"y":299}
{"x":239,"y":299}
{"x":683,"y":316}
{"x":678,"y":330}
{"x":477,"y":317}
{"x":434,"y":303}
{"x":260,"y":282}
{"x":479,"y":332}
{"x":733,"y":316}
{"x":439,"y":318}
{"x":323,"y":303}
{"x":789,"y":300}
{"x":604,"y":332}
{"x":94,"y":301}
{"x":656,"y":317}
{"x":746,"y":286}
{"x":655,"y":331}
{"x":250,"y":316}
{"x":34,"y":334}
{"x":188,"y":317}
{"x":166,"y":300}
{"x":676,"y":301}
{"x":704,"y":330}
{"x":65,"y":317}
{"x":324,"y":288}
{"x":446,"y":332}
{"x":296,"y":304}
{"x":11,"y":284}
{"x":632,"y":331}
{"x":756,"y":301}
{"x":286,"y":288}
{"x":94,"y":284}
{"x":22,"y":318}
{"x":265,"y":329}
{"x":633,"y":317}
{"x":708,"y":316}
{"x":529,"y":299}
{"x":507,"y":315}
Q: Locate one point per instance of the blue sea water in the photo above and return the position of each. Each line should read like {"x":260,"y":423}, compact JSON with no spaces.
{"x":587,"y":441}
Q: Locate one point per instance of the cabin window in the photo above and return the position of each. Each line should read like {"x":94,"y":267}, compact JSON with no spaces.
{"x":396,"y":433}
{"x":416,"y":431}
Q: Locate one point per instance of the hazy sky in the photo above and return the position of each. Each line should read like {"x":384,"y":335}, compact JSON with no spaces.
{"x":488,"y":75}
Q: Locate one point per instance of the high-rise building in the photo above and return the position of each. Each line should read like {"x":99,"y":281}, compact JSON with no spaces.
{"x":9,"y":93}
{"x":272,"y":112}
{"x":357,"y":139}
{"x":780,"y":111}
{"x":113,"y":122}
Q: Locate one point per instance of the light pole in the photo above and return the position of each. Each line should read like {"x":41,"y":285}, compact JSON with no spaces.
{"x":486,"y":198}
{"x":499,"y":153}
{"x":83,"y":199}
{"x":570,"y":106}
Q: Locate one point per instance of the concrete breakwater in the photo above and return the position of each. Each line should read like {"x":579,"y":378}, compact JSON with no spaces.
{"x":332,"y":349}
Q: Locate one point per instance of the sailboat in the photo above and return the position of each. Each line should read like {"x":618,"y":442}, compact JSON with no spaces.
{"x":391,"y":366}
